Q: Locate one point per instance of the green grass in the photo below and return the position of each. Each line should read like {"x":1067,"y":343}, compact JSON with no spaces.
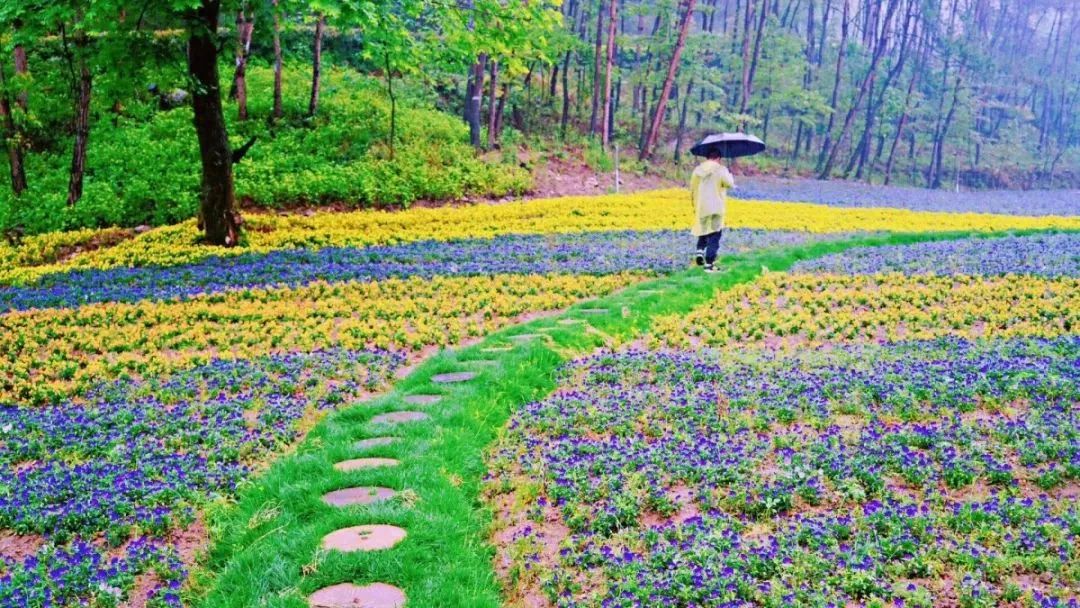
{"x":266,"y":546}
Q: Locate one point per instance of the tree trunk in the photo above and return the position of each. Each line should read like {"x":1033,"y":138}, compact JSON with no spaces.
{"x":277,"y":111}
{"x":217,"y":213}
{"x":682,"y":119}
{"x":22,"y":68}
{"x":11,"y":138}
{"x":879,"y":51}
{"x":82,"y":127}
{"x":744,"y":91}
{"x":826,"y":146}
{"x":244,"y":28}
{"x":474,"y":97}
{"x":565,"y":95}
{"x":661,"y":104}
{"x":610,"y":63}
{"x":596,"y":67}
{"x":939,"y":144}
{"x":393,"y":102}
{"x":492,"y":84}
{"x":500,"y":109}
{"x":316,"y":65}
{"x":903,"y":122}
{"x":749,"y":83}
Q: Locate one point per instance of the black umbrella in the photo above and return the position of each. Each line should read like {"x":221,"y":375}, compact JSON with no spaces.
{"x":728,"y":145}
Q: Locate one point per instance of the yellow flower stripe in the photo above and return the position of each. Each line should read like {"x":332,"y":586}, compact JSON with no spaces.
{"x":792,"y":310}
{"x":660,"y":209}
{"x":47,"y":354}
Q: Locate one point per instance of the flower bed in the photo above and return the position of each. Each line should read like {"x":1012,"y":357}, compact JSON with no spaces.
{"x":104,"y":484}
{"x":1043,"y":255}
{"x":793,"y":310}
{"x":664,"y":209}
{"x":51,"y":353}
{"x":583,"y":253}
{"x":918,"y":474}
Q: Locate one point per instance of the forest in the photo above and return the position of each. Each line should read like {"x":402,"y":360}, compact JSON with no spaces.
{"x":145,"y":113}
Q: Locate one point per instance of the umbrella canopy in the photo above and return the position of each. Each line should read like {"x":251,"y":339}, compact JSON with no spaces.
{"x":728,"y":145}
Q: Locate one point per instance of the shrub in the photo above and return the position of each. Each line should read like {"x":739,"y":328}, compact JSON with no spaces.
{"x":146,"y":170}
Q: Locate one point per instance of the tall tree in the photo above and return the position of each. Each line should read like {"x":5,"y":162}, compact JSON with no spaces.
{"x":879,"y":51}
{"x":277,"y":112}
{"x":826,"y":147}
{"x":613,"y":11}
{"x":245,"y":26}
{"x":217,"y":202}
{"x":316,"y":63}
{"x":11,"y":138}
{"x":673,"y":66}
{"x":76,"y":52}
{"x":593,"y":117}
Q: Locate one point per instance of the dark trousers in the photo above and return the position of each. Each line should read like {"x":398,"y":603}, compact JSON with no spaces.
{"x":710,"y":244}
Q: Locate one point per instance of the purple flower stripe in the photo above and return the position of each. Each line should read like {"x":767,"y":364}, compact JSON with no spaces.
{"x":838,"y":193}
{"x":581,"y":253}
{"x":1053,"y":255}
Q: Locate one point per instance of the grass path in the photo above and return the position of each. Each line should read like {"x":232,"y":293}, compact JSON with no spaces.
{"x":267,"y":546}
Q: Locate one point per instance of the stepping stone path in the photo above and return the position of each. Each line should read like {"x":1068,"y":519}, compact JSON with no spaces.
{"x":399,"y":417}
{"x":422,"y":399}
{"x":364,"y":495}
{"x":357,"y":464}
{"x":453,"y":377}
{"x":374,"y":442}
{"x":363,"y":538}
{"x":348,"y":595}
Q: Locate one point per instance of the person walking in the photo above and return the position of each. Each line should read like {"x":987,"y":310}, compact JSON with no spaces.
{"x":709,"y":184}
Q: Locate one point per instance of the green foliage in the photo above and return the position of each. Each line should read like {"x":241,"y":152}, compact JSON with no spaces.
{"x":146,"y":171}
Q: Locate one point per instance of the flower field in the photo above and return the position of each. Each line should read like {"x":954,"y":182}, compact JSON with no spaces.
{"x":884,"y":426}
{"x":148,"y":382}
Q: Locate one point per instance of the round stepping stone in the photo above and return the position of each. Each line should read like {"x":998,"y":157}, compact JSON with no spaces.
{"x":453,"y":377}
{"x":348,"y":595}
{"x":374,"y":442}
{"x":399,"y":417}
{"x":594,"y":311}
{"x":649,"y":291}
{"x":569,"y":321}
{"x":357,"y":464}
{"x":422,"y":399}
{"x":363,"y":538}
{"x":365,"y":495}
{"x":496,"y":349}
{"x":525,"y":337}
{"x":484,"y":362}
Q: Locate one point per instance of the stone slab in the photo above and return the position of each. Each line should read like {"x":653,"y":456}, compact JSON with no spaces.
{"x":374,"y":442}
{"x":357,"y":464}
{"x":348,"y":595}
{"x":525,"y":337}
{"x":363,"y":538}
{"x":399,"y":417}
{"x":364,"y":495}
{"x":452,"y":377}
{"x":422,"y":399}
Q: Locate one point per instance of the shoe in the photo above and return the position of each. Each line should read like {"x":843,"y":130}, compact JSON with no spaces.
{"x":711,"y":268}
{"x":699,"y":258}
